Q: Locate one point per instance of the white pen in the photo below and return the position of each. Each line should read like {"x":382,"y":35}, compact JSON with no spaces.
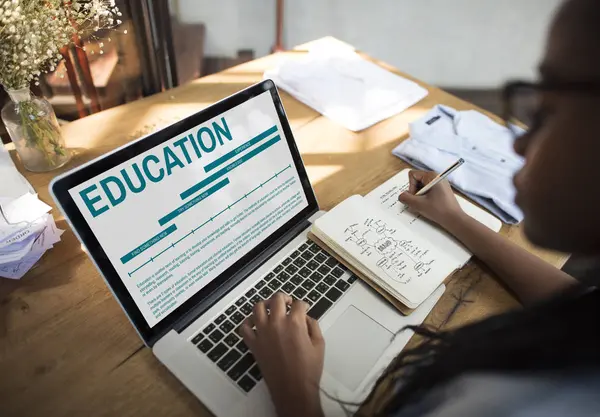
{"x":441,"y":177}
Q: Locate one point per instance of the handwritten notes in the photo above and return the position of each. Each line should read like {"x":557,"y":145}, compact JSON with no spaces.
{"x":387,"y":252}
{"x":386,"y":196}
{"x":400,"y":259}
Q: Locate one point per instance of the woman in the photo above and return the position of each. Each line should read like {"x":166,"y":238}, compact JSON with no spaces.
{"x":543,"y":360}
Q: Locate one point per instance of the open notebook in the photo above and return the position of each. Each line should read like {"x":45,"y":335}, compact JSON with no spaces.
{"x":401,"y":255}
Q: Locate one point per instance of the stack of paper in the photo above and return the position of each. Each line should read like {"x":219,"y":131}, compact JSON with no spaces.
{"x":27,"y":230}
{"x":346,"y":88}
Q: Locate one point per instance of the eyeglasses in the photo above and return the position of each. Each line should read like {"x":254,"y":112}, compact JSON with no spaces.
{"x":523,"y":102}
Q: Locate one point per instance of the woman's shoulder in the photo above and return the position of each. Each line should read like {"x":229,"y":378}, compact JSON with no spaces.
{"x":573,"y":394}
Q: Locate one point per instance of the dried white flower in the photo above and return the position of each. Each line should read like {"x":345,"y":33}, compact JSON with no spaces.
{"x":32,"y":32}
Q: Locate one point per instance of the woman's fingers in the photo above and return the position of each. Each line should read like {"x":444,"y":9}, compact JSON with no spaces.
{"x":247,"y":332}
{"x":277,"y":305}
{"x":314,"y":331}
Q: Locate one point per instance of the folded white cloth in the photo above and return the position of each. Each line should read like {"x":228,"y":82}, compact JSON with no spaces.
{"x":444,"y":134}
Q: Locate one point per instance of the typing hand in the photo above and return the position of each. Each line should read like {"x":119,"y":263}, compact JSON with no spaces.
{"x":438,"y":205}
{"x":289,"y":350}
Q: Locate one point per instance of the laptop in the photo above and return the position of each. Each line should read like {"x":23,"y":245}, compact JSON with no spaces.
{"x":192,"y":225}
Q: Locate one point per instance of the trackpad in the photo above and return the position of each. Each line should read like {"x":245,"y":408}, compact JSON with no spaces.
{"x":353,"y":344}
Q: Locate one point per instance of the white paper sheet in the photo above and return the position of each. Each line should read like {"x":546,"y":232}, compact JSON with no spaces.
{"x":20,"y":233}
{"x":346,"y":88}
{"x":46,"y":240}
{"x":24,"y":209}
{"x":12,"y":185}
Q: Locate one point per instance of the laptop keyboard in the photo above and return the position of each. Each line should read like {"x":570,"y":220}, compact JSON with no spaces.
{"x":308,"y":273}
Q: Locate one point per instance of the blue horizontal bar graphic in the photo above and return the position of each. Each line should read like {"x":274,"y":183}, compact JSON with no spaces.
{"x":148,"y":244}
{"x":226,"y":169}
{"x":185,"y":207}
{"x":214,"y":164}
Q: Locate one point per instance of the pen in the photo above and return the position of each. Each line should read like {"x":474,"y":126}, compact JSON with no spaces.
{"x":440,"y":177}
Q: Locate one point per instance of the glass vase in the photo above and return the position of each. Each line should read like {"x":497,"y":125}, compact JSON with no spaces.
{"x":33,"y":128}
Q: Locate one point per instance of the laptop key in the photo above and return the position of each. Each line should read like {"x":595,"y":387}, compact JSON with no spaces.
{"x":231,"y":339}
{"x":342,"y":285}
{"x":308,"y":285}
{"x":330,"y":280}
{"x":314,"y":248}
{"x":266,"y":292}
{"x":216,"y":336}
{"x":307,"y":255}
{"x":226,"y":327}
{"x":286,"y":261}
{"x":242,"y":347}
{"x":220,"y":319}
{"x":299,"y":262}
{"x":314,"y":295}
{"x":305,"y":272}
{"x":320,"y":257}
{"x":240,"y":302}
{"x":218,"y":351}
{"x":255,"y":373}
{"x":197,"y":338}
{"x":269,"y":276}
{"x":352,"y":279}
{"x":209,"y":328}
{"x":255,"y":299}
{"x":278,"y":269}
{"x":295,"y":254}
{"x":316,"y":277}
{"x":237,"y":317}
{"x":331,"y":262}
{"x":303,"y":247}
{"x":333,"y":294}
{"x":241,"y":367}
{"x":324,"y":269}
{"x":275,"y":284}
{"x":308,"y":301}
{"x":228,"y":360}
{"x":291,"y":269}
{"x":299,"y":293}
{"x":250,"y":292}
{"x":205,"y":345}
{"x":246,"y":383}
{"x":260,"y":284}
{"x":246,"y":309}
{"x":288,"y":287}
{"x":296,"y":280}
{"x":230,"y":310}
{"x":317,"y":310}
{"x":284,"y":276}
{"x":322,"y":287}
{"x":312,"y":265}
{"x":337,"y":272}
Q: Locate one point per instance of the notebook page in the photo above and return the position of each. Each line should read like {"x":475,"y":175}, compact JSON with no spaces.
{"x":405,"y":262}
{"x":386,"y":195}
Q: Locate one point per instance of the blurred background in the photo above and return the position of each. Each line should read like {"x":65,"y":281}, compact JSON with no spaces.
{"x":469,"y":47}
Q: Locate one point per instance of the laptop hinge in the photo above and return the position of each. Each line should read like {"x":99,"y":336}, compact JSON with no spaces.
{"x":188,"y":318}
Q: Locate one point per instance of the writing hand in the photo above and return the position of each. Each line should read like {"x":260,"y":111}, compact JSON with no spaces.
{"x":438,"y":205}
{"x":289,"y":350}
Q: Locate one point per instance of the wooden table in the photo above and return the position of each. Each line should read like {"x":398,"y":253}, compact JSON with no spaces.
{"x":67,"y":349}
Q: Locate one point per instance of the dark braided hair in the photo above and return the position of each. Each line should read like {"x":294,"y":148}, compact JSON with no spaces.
{"x":560,"y":334}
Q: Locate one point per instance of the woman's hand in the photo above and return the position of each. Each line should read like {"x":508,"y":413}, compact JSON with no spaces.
{"x":438,"y":205}
{"x":289,"y":350}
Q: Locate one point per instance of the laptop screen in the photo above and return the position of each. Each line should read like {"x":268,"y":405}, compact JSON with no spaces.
{"x":173,"y":218}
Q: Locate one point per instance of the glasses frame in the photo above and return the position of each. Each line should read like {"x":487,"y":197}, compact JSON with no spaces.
{"x":512,"y":88}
